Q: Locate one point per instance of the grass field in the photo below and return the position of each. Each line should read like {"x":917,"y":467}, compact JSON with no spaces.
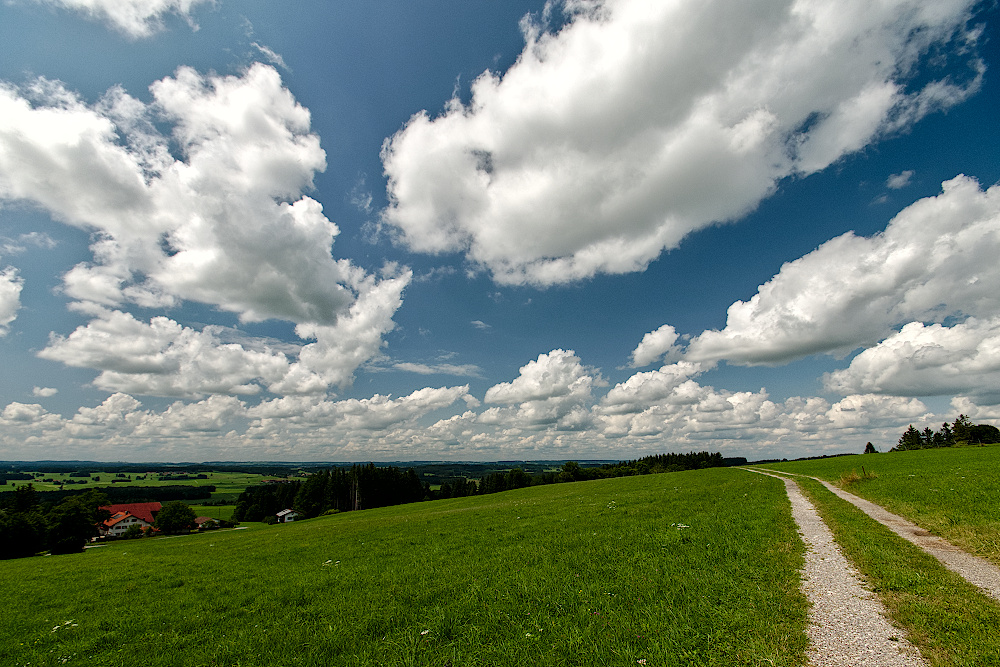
{"x":951,"y":492}
{"x":692,"y":568}
{"x":214,"y":511}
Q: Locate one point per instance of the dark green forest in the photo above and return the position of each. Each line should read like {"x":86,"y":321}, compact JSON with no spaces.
{"x":960,"y":433}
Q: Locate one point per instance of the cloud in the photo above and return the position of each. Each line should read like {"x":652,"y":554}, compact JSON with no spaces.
{"x":670,"y":403}
{"x":655,"y":345}
{"x":648,"y":388}
{"x":934,"y":260}
{"x":932,"y":360}
{"x":271,"y":56}
{"x":44,"y":392}
{"x":213,"y":415}
{"x":355,"y":338}
{"x":163,"y":358}
{"x":482,"y":326}
{"x":227,"y":225}
{"x":19,"y":245}
{"x":466,"y":370}
{"x":552,"y":390}
{"x":10,"y":298}
{"x":635,"y":125}
{"x":900,"y":180}
{"x":368,"y":414}
{"x":133,"y":18}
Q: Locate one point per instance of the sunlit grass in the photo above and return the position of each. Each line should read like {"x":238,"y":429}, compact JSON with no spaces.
{"x":695,"y":568}
{"x":951,"y":492}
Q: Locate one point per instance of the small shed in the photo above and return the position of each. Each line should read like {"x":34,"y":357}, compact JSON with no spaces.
{"x":287,"y":516}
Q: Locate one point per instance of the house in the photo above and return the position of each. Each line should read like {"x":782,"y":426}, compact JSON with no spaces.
{"x":287,"y":516}
{"x":127,"y":515}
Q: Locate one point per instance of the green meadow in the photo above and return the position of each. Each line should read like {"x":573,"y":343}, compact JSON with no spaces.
{"x":692,"y":568}
{"x":952,"y":492}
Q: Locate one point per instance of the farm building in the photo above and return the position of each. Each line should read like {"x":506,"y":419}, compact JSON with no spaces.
{"x":125,"y":516}
{"x":287,"y":516}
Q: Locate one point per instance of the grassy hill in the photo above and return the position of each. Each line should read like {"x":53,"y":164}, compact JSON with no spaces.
{"x":695,"y":567}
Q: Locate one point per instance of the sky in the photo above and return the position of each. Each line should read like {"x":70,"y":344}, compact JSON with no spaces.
{"x":397,"y":230}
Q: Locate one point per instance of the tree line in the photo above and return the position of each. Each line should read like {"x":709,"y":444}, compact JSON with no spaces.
{"x":961,"y":432}
{"x":123,"y":495}
{"x":368,"y":486}
{"x":28,"y":526}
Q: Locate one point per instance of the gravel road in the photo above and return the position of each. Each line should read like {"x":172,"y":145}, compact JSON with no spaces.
{"x":848,"y":625}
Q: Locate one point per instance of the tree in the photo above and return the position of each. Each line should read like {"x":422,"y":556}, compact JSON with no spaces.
{"x":25,"y":499}
{"x":870,"y":449}
{"x":960,"y":429}
{"x":984,"y":434}
{"x":21,"y":534}
{"x":75,"y":520}
{"x":175,"y":517}
{"x":910,"y":440}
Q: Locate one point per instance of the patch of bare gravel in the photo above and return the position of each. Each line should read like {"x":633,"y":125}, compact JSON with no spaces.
{"x":847,"y":623}
{"x":975,"y":570}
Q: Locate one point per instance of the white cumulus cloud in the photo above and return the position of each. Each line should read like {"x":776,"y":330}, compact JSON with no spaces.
{"x":637,"y":123}
{"x":935,"y":259}
{"x":11,"y":285}
{"x":929,"y":360}
{"x":164,"y":358}
{"x":555,"y":389}
{"x":655,"y":345}
{"x":215,"y":213}
{"x":134,"y":18}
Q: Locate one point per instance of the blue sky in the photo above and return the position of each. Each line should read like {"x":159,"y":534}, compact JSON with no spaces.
{"x":477,"y":230}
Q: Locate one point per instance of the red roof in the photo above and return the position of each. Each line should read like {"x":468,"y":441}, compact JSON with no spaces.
{"x":144,"y":511}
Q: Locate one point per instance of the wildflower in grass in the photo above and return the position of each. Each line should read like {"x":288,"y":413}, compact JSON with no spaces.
{"x":424,"y":633}
{"x":641,"y":661}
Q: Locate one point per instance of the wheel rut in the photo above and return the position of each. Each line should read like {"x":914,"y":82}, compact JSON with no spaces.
{"x":848,"y":626}
{"x":977,"y":571}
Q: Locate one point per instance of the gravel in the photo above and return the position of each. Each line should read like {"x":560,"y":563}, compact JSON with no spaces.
{"x":847,"y":623}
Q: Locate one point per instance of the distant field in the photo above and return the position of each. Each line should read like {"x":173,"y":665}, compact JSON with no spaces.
{"x":214,"y":511}
{"x":225,"y":482}
{"x":228,"y":485}
{"x":692,"y":568}
{"x":951,"y":492}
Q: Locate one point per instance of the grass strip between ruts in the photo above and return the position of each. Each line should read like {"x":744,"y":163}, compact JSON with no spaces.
{"x":947,"y":618}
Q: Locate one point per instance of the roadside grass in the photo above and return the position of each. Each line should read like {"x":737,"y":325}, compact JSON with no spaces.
{"x":950,"y":492}
{"x":949,"y":619}
{"x":693,"y":568}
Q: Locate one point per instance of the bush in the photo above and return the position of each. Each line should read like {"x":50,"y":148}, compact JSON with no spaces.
{"x":852,"y":478}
